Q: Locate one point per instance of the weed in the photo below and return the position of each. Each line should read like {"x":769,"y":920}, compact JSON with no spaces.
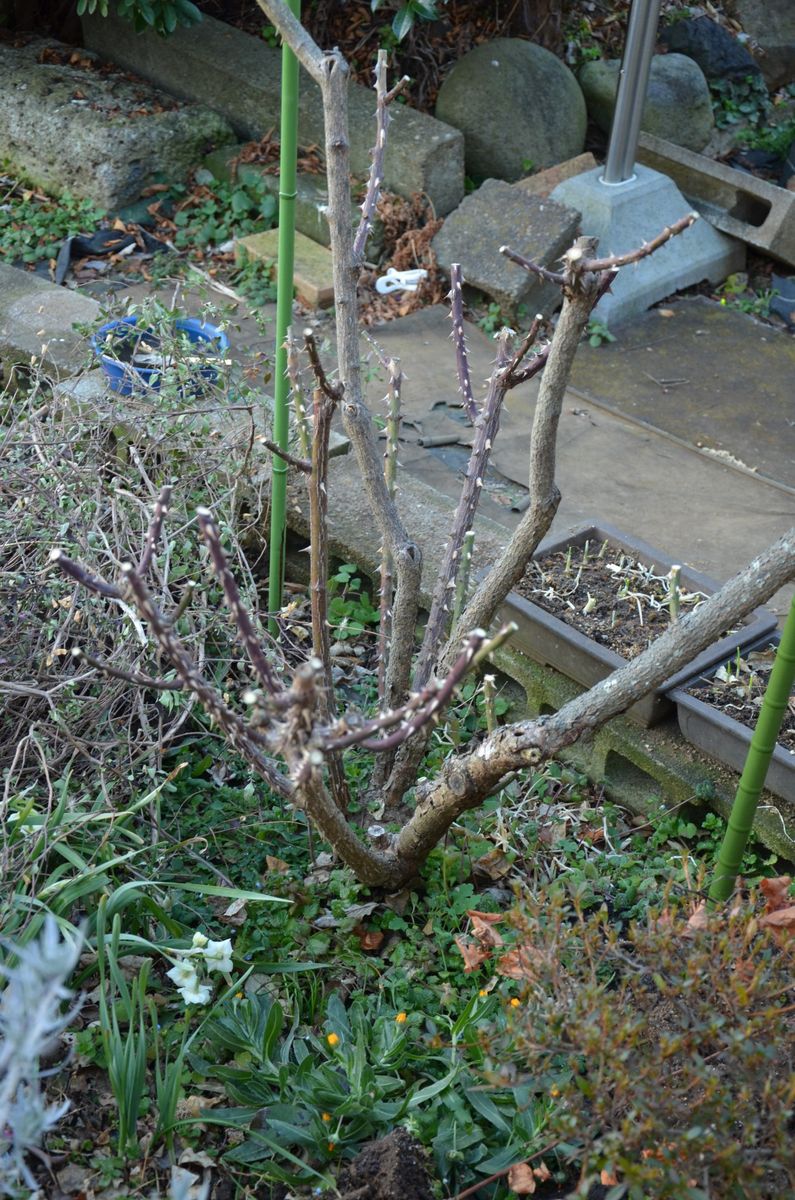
{"x":33,"y":226}
{"x":598,"y":333}
{"x":213,"y":212}
{"x":350,"y":610}
{"x":743,"y":101}
{"x":735,"y":293}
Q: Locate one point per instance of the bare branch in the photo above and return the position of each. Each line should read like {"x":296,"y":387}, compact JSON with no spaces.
{"x":248,"y":634}
{"x":136,"y":677}
{"x":81,"y":575}
{"x":623,"y":260}
{"x":155,"y":527}
{"x":333,"y":391}
{"x":300,"y":464}
{"x":486,"y":430}
{"x":293,"y":33}
{"x":534,"y":268}
{"x":461,"y":357}
{"x":299,"y":401}
{"x":383,"y":99}
{"x":232,"y":726}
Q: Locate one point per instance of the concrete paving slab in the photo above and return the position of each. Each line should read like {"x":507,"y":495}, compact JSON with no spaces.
{"x":697,"y":508}
{"x":37,"y":321}
{"x":704,"y":374}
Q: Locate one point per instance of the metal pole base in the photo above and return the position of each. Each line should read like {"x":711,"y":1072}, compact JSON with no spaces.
{"x":624,"y":216}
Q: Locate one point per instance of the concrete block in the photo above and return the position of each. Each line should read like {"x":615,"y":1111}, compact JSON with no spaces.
{"x":624,"y":216}
{"x":543,"y":182}
{"x":499,"y":214}
{"x":37,"y":321}
{"x":96,"y":135}
{"x":239,"y":76}
{"x":312,"y":274}
{"x":751,"y":209}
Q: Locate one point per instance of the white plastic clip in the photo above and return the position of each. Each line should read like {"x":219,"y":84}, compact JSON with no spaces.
{"x":400,"y":281}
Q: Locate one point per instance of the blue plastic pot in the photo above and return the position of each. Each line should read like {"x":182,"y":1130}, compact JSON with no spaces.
{"x":127,"y":378}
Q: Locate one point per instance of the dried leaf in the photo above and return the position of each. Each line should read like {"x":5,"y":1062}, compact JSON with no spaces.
{"x":782,"y":918}
{"x":542,"y":1172}
{"x":235,"y":914}
{"x":776,"y":892}
{"x":519,"y":963}
{"x":521,"y":1179}
{"x":472,"y":954}
{"x":483,"y":927}
{"x":699,"y":919}
{"x":608,"y":1178}
{"x":665,"y":312}
{"x":493,"y":865}
{"x":369,"y":939}
{"x":277,"y":865}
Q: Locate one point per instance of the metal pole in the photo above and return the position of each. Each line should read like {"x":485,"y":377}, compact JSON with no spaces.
{"x":633,"y":82}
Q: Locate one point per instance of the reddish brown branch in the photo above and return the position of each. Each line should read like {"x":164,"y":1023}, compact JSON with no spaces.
{"x":154,"y":530}
{"x":76,"y":571}
{"x":533,"y":268}
{"x":300,"y":464}
{"x":632,"y":256}
{"x":129,"y":676}
{"x":248,"y":634}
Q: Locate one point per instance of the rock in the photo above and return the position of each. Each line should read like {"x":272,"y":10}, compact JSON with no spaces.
{"x":677,"y":108}
{"x":239,"y":76}
{"x":69,"y":127}
{"x":771,"y":26}
{"x":518,"y":107}
{"x":499,"y":214}
{"x":719,"y":55}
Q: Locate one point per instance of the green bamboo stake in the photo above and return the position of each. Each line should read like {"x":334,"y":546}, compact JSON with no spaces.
{"x":284,"y":309}
{"x":752,"y":780}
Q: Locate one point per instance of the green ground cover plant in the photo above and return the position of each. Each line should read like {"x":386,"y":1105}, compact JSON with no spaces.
{"x":33,"y":226}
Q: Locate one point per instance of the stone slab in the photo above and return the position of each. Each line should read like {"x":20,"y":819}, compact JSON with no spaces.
{"x":37,"y":321}
{"x":499,"y":214}
{"x":624,"y":216}
{"x":65,"y":127}
{"x":313,"y":275}
{"x":696,"y":374}
{"x":239,"y":76}
{"x":543,"y":182}
{"x":751,"y":209}
{"x":699,"y":508}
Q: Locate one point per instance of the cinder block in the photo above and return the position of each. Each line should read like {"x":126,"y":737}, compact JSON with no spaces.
{"x":751,"y":209}
{"x":312,"y":273}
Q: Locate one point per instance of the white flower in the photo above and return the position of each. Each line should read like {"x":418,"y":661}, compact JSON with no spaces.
{"x":184,"y":974}
{"x":199,"y":941}
{"x":197,"y":993}
{"x":218,"y":956}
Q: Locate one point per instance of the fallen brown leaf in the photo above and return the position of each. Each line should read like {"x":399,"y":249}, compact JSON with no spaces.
{"x":472,"y":955}
{"x":776,"y":892}
{"x":521,"y":1179}
{"x":782,"y":918}
{"x":277,"y":865}
{"x":519,"y":963}
{"x":482,"y":927}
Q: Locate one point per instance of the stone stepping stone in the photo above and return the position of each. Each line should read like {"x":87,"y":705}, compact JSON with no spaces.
{"x":312,"y":275}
